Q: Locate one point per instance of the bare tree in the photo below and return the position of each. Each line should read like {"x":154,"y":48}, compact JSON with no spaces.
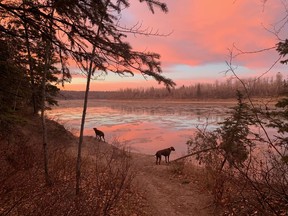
{"x":72,"y":31}
{"x":47,"y":64}
{"x":122,"y":60}
{"x":257,"y":172}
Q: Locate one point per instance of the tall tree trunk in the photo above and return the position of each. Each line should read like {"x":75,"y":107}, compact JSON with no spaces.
{"x":44,"y":135}
{"x":78,"y":164}
{"x":31,"y":69}
{"x":90,"y":71}
{"x":17,"y":94}
{"x":43,"y":91}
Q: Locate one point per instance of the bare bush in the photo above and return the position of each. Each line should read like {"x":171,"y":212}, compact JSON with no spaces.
{"x":107,"y":178}
{"x":107,"y":175}
{"x":249,"y":169}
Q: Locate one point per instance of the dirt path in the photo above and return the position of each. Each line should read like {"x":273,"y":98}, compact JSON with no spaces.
{"x":167,"y":195}
{"x":164,"y":192}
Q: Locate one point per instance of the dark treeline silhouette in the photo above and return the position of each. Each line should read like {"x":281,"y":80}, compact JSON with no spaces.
{"x":261,"y":87}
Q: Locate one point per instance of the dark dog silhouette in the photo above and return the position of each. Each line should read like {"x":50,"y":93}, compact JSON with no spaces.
{"x":164,"y":152}
{"x":99,"y":134}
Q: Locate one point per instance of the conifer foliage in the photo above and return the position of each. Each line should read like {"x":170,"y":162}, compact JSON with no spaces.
{"x":246,"y":158}
{"x":76,"y":27}
{"x":45,"y":34}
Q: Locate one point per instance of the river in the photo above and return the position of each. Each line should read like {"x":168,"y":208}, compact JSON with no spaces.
{"x":143,"y":126}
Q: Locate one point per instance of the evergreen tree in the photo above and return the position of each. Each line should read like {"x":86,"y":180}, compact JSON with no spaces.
{"x":87,"y":32}
{"x":234,"y":133}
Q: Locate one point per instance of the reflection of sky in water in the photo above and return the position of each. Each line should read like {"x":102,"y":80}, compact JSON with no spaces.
{"x":144,"y":126}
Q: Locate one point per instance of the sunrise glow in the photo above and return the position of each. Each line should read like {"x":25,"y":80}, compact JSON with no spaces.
{"x":200,"y":36}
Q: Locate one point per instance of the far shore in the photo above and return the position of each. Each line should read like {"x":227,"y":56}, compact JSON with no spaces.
{"x":229,"y":101}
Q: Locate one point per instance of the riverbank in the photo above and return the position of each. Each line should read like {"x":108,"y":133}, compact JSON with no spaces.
{"x":146,"y":126}
{"x":140,"y":187}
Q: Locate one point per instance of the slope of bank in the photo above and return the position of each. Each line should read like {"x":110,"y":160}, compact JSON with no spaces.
{"x":146,"y":189}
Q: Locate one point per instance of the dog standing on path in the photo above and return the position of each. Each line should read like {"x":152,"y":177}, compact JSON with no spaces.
{"x":165,"y":153}
{"x":99,"y":134}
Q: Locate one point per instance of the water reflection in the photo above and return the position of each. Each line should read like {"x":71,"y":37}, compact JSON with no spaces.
{"x":144,"y":126}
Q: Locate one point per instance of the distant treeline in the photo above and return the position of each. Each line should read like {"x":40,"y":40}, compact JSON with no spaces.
{"x":261,"y":87}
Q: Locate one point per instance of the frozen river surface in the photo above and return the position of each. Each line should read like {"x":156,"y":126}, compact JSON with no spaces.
{"x":144,"y":126}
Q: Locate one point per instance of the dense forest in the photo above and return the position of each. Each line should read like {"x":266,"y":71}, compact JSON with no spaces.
{"x":257,"y":87}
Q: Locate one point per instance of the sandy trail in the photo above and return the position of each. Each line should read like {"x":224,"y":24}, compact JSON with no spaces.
{"x":167,"y":195}
{"x":164,"y":193}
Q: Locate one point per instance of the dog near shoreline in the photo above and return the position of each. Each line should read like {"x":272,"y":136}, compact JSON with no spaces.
{"x":99,"y":135}
{"x":166,"y":153}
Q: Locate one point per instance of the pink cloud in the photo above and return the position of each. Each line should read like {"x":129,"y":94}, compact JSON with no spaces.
{"x":203,"y":30}
{"x":109,"y":85}
{"x":202,"y":33}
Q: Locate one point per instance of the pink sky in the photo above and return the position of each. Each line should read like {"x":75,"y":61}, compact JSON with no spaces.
{"x":197,"y":48}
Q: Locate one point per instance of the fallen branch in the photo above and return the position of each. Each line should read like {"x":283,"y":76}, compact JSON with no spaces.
{"x":195,"y":153}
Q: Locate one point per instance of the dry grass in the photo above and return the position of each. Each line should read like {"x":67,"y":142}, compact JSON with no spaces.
{"x":233,"y":194}
{"x":106,"y":184}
